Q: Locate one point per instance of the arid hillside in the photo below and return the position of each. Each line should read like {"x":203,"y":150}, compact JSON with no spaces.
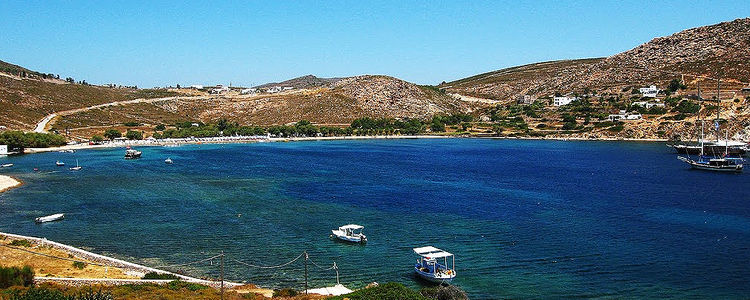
{"x":717,"y":50}
{"x":344,"y":101}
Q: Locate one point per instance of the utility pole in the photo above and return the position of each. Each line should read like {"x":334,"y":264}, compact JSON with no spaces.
{"x":306,"y":257}
{"x":222,"y":274}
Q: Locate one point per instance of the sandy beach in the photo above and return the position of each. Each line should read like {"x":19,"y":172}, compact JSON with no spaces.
{"x":7,"y":183}
{"x":240,"y":140}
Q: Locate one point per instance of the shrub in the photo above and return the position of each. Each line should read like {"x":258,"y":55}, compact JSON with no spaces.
{"x":160,"y":127}
{"x":285,"y":292}
{"x":450,"y":292}
{"x":23,"y":243}
{"x":154,"y":275}
{"x":15,"y":276}
{"x":97,"y":138}
{"x":569,"y":126}
{"x":179,"y":284}
{"x":616,"y":128}
{"x":132,"y":124}
{"x":541,"y":125}
{"x":79,"y":265}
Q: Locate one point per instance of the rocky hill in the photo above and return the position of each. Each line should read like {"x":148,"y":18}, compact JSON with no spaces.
{"x":303,"y":82}
{"x":707,"y":51}
{"x":344,"y":101}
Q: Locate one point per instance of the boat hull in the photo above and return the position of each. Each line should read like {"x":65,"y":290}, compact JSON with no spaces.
{"x":51,"y":218}
{"x":348,"y":239}
{"x":716,"y":168}
{"x":431,"y":277}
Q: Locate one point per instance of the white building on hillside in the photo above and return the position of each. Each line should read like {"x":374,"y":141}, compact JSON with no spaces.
{"x":250,"y":91}
{"x":650,"y":91}
{"x":3,"y":149}
{"x":526,"y":99}
{"x":648,"y":105}
{"x":624,"y":116}
{"x":219,"y":89}
{"x":564,"y":100}
{"x":196,"y":87}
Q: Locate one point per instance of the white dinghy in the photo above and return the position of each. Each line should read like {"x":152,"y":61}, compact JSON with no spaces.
{"x":50,"y":218}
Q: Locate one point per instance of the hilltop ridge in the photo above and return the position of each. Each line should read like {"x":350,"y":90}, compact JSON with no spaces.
{"x":707,"y":51}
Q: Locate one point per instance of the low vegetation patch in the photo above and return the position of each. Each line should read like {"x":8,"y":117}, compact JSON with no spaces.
{"x":154,"y":275}
{"x":22,"y":243}
{"x":15,"y":276}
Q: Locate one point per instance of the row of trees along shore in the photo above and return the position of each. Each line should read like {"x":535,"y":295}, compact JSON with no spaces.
{"x":20,"y":140}
{"x":303,"y":128}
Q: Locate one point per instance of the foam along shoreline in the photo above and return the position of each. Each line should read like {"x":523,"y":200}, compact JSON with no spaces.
{"x":7,"y":183}
{"x":261,"y":139}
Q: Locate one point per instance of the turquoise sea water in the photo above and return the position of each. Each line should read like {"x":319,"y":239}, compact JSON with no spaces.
{"x":526,"y":219}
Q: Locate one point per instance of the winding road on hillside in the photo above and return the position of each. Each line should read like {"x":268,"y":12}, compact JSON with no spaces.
{"x":48,"y":120}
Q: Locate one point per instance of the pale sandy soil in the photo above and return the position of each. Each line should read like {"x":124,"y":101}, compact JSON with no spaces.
{"x":7,"y":182}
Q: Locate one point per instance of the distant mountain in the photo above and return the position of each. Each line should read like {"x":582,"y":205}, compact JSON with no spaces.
{"x":304,"y":82}
{"x":722,"y":48}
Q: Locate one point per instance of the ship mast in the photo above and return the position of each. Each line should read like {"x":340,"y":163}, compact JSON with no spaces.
{"x":718,"y":105}
{"x":700,"y":99}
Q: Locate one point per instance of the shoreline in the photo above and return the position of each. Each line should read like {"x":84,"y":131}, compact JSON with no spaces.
{"x":111,"y":262}
{"x":8,"y":183}
{"x":246,"y":140}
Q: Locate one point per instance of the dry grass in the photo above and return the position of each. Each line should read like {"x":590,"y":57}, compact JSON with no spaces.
{"x":50,"y":267}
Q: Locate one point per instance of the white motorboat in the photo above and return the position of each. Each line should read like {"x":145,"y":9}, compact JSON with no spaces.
{"x":50,"y":218}
{"x":6,"y":165}
{"x":77,"y":167}
{"x":168,"y":161}
{"x":132,"y":153}
{"x":59,"y":163}
{"x":429,"y":268}
{"x":350,"y":233}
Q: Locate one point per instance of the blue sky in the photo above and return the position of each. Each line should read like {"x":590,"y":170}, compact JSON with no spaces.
{"x":158,"y":43}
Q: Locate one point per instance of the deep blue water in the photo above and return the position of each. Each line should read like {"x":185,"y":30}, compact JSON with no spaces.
{"x":526,"y":219}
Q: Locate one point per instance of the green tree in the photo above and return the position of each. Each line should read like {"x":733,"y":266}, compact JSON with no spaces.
{"x":112,"y":134}
{"x":160,"y":127}
{"x":97,"y":138}
{"x":134,"y":135}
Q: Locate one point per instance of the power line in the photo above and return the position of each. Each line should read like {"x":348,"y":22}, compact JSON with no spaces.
{"x":270,"y":267}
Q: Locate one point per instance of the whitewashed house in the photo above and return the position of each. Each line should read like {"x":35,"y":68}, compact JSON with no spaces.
{"x":649,"y":92}
{"x":250,"y":91}
{"x":272,"y":90}
{"x":625,"y":116}
{"x":3,"y":149}
{"x":564,"y":100}
{"x":287,"y":88}
{"x":196,"y":87}
{"x":220,"y":89}
{"x":648,"y":105}
{"x":525,"y":99}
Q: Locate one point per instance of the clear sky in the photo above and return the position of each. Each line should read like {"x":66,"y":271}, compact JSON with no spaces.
{"x":159,"y":43}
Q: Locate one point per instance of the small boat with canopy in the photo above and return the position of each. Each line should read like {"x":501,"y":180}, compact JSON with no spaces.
{"x":350,"y":233}
{"x":430,"y":267}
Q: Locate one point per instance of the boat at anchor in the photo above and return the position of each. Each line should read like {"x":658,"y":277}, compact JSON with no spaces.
{"x":350,"y":233}
{"x":429,"y":267}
